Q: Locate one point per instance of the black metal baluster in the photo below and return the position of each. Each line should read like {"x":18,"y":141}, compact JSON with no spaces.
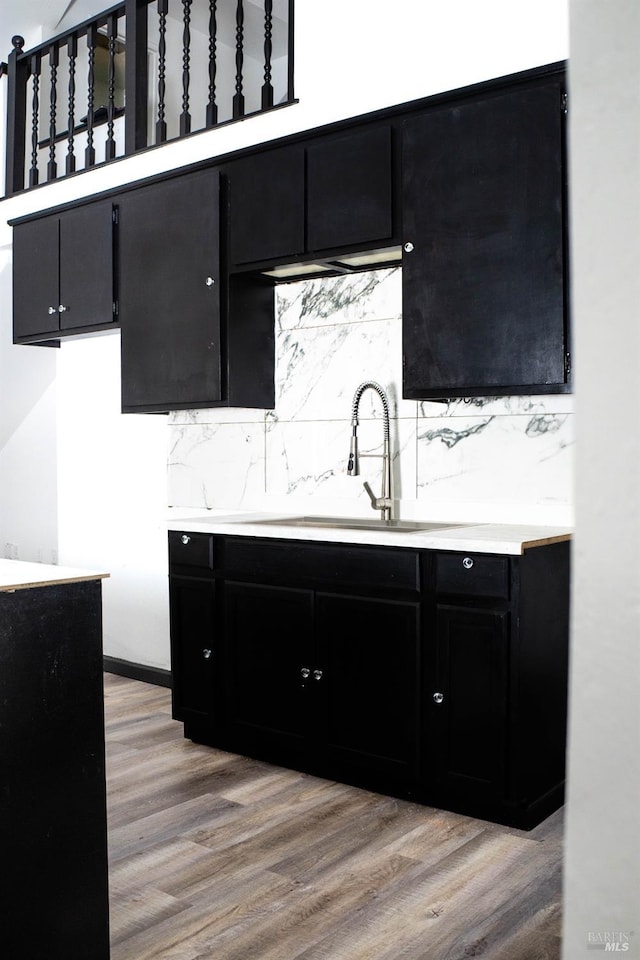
{"x":185,"y":116}
{"x":34,"y":69}
{"x":90,"y":153}
{"x":267,"y":88}
{"x":112,"y":33}
{"x":72,"y":53}
{"x":238,"y":100}
{"x":161,"y":126}
{"x":212,"y":109}
{"x":52,"y":167}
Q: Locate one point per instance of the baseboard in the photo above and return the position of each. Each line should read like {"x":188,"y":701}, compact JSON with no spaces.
{"x":137,"y":671}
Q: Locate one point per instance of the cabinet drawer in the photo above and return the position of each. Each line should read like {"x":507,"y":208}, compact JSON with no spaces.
{"x":190,"y":550}
{"x":335,"y":565}
{"x":474,"y":575}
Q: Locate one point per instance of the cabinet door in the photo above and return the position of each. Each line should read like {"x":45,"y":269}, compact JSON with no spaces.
{"x":63,"y":272}
{"x":483,"y":286}
{"x":349,"y":189}
{"x":368,"y":715}
{"x":266,"y":206}
{"x":468,"y":707}
{"x":193,"y":650}
{"x":268,"y":651}
{"x":169,"y":294}
{"x":35,"y":278}
{"x":87,"y":291}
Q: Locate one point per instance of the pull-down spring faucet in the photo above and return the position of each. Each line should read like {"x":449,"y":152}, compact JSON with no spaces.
{"x":383,"y":503}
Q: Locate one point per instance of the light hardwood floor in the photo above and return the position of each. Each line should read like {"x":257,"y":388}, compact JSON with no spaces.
{"x":214,"y":856}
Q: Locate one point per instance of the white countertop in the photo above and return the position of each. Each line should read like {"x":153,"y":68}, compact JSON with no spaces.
{"x":20,"y":575}
{"x":472,"y":537}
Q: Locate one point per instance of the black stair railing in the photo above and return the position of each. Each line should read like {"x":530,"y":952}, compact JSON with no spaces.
{"x":142,"y":73}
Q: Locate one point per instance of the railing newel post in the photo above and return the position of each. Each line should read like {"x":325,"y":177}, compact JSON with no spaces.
{"x":136,"y":79}
{"x":17,"y":78}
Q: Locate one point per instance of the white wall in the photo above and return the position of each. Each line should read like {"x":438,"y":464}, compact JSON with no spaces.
{"x":602,"y":865}
{"x":350,"y":58}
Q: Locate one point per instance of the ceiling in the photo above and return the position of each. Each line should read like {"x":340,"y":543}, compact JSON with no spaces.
{"x":27,"y":17}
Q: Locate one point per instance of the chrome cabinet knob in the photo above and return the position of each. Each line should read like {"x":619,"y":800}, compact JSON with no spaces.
{"x":317,"y":674}
{"x":185,"y":539}
{"x":305,"y":672}
{"x":408,"y":247}
{"x":62,"y":308}
{"x":467,"y":563}
{"x":210,"y":281}
{"x":207,"y":653}
{"x":51,"y":311}
{"x":438,"y":697}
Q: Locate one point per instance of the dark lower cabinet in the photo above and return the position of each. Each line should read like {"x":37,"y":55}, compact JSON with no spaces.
{"x":468,"y":705}
{"x":194,"y":653}
{"x":308,"y":676}
{"x":369,"y":690}
{"x":269,"y":661}
{"x":430,"y":675}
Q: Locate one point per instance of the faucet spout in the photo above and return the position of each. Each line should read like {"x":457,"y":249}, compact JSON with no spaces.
{"x":384,"y":503}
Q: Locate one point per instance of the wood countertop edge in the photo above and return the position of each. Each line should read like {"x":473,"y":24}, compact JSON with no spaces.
{"x":545,"y":541}
{"x":34,"y":584}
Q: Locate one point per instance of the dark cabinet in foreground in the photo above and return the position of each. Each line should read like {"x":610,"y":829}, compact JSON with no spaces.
{"x":430,"y":675}
{"x":53,"y":809}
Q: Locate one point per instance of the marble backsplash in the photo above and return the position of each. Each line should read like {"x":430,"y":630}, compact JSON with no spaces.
{"x":505,"y":459}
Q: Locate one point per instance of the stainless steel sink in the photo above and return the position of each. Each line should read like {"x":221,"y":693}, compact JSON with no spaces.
{"x":356,"y":523}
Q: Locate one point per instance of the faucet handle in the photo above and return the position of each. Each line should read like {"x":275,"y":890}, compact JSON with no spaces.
{"x":372,"y":496}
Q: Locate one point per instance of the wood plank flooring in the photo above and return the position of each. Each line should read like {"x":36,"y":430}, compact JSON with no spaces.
{"x":218,"y":857}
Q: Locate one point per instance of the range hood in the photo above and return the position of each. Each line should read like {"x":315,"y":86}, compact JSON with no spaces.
{"x":333,"y":266}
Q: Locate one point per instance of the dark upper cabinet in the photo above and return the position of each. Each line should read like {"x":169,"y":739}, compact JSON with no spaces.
{"x":330,"y":194}
{"x":350,"y":189}
{"x":189,"y":338}
{"x":63,"y":273}
{"x":267,"y":205}
{"x":170,"y":294}
{"x":484,"y":287}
